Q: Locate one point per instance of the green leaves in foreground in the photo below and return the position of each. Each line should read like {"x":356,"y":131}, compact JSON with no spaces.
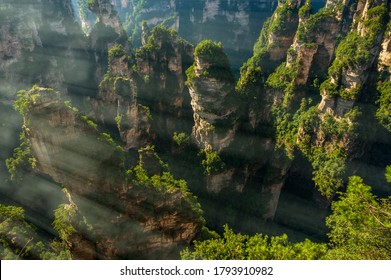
{"x":19,"y":239}
{"x":360,"y":224}
{"x":360,"y":228}
{"x":233,"y":246}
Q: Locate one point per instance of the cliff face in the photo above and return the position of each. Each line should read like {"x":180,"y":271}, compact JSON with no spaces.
{"x":68,"y":148}
{"x":117,"y":104}
{"x":347,"y":78}
{"x":146,"y":95}
{"x":279,"y":108}
{"x":160,"y":71}
{"x":106,"y":32}
{"x":238,"y":22}
{"x":223,"y":131}
{"x":327,"y":133}
{"x":41,"y":43}
{"x":301,"y":104}
{"x":212,"y":92}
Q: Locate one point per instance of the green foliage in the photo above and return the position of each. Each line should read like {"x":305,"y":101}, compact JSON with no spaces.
{"x":360,"y":228}
{"x":388,"y":174}
{"x":108,"y":138}
{"x":282,"y":23}
{"x":165,"y":183}
{"x":313,"y":24}
{"x":329,"y":159}
{"x":118,"y":121}
{"x":16,"y":235}
{"x":68,"y":221}
{"x":181,"y":138}
{"x":68,"y":104}
{"x":263,"y":39}
{"x":146,"y":110}
{"x":212,"y":52}
{"x":91,"y":3}
{"x":305,"y":10}
{"x":383,"y":113}
{"x":216,"y":61}
{"x":160,"y":39}
{"x":89,"y":122}
{"x":376,"y":20}
{"x":282,"y":77}
{"x":250,"y":78}
{"x":27,"y":98}
{"x":354,"y":53}
{"x":19,"y":239}
{"x":21,"y":160}
{"x":134,"y":19}
{"x":238,"y":246}
{"x":360,"y":224}
{"x":64,"y":218}
{"x":191,"y":75}
{"x":57,"y":250}
{"x":328,"y":171}
{"x":118,"y":51}
{"x":287,"y":125}
{"x":212,"y":162}
{"x":305,"y":129}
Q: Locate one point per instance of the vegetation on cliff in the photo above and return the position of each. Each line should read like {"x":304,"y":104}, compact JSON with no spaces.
{"x":355,"y":53}
{"x":19,"y":239}
{"x":383,"y":113}
{"x":245,"y":152}
{"x":211,"y":57}
{"x":359,"y":225}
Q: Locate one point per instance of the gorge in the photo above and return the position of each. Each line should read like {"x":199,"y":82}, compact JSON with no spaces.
{"x":138,"y":129}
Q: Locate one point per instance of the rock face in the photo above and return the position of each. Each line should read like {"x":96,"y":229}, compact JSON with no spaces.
{"x":238,"y":22}
{"x":107,"y":32}
{"x":146,"y":95}
{"x":313,"y":53}
{"x":160,"y":72}
{"x":385,"y":54}
{"x":68,"y":148}
{"x":212,"y":92}
{"x":221,"y":126}
{"x":117,"y":103}
{"x":347,"y":78}
{"x":296,"y":108}
{"x":41,"y":43}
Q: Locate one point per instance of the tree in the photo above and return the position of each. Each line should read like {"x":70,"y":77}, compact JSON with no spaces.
{"x":360,"y":224}
{"x":19,"y":238}
{"x":232,"y":246}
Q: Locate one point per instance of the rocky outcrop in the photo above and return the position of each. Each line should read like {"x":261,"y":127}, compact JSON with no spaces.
{"x":41,"y":43}
{"x":320,"y":136}
{"x":384,"y":62}
{"x":241,"y":21}
{"x":107,"y":32}
{"x":282,"y":26}
{"x":212,"y":98}
{"x":117,"y":105}
{"x":315,"y":41}
{"x":143,"y":218}
{"x":160,"y":73}
{"x":347,"y":76}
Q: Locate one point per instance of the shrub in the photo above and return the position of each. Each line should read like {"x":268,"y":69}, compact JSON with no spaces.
{"x":383,"y":113}
{"x":212,"y":163}
{"x":181,"y":138}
